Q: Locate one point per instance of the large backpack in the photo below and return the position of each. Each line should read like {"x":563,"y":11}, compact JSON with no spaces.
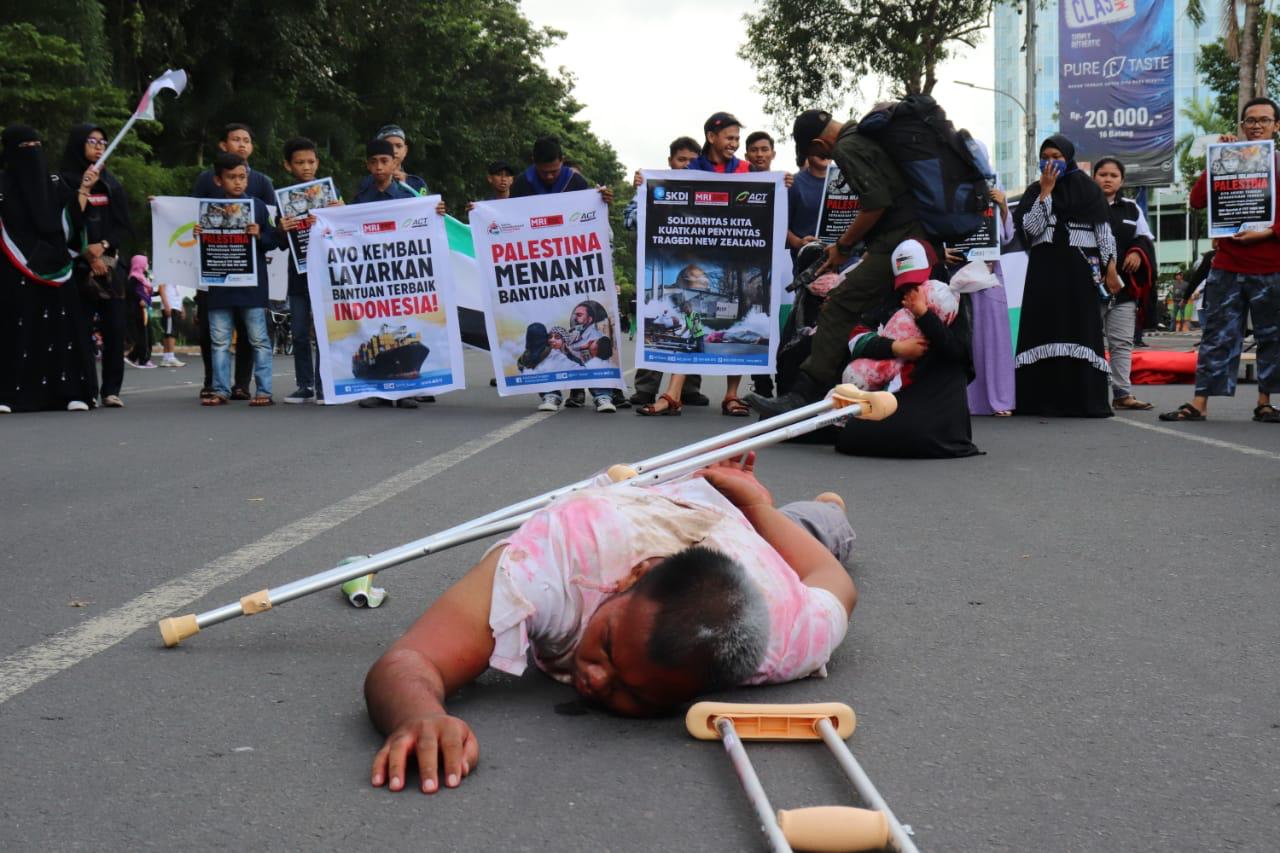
{"x":945,"y":169}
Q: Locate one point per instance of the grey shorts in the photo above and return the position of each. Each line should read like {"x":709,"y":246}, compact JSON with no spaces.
{"x":826,"y":522}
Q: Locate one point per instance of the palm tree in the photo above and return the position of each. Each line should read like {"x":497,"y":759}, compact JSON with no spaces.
{"x":1248,"y":42}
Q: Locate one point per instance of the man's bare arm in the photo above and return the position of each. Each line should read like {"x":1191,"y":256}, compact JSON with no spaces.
{"x":447,"y":647}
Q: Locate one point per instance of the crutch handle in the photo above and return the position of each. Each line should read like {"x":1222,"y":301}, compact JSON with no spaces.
{"x":175,"y":629}
{"x":834,"y":829}
{"x":769,"y":722}
{"x":876,"y":405}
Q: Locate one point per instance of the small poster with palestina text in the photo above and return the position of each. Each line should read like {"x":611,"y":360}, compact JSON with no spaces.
{"x":1242,"y":187}
{"x":297,"y":202}
{"x":228,"y":252}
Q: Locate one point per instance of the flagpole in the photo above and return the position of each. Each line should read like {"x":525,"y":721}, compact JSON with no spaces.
{"x":175,"y":81}
{"x":101,"y":162}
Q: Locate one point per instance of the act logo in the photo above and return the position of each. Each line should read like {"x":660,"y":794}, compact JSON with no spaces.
{"x":583,"y":216}
{"x":416,"y":222}
{"x":748,"y":197}
{"x":176,"y":238}
{"x":378,"y":227}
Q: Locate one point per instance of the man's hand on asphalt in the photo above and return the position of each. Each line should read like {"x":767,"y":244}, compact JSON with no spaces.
{"x":429,"y":740}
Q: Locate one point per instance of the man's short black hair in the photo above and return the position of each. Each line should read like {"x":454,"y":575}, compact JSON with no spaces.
{"x":225,"y":161}
{"x":298,"y":143}
{"x":547,"y":150}
{"x":757,"y":135}
{"x":379,"y":147}
{"x":685,"y":143}
{"x":233,"y":127}
{"x":711,"y":620}
{"x":1253,"y":102}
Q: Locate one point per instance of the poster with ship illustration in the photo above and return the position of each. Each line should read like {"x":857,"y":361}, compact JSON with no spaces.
{"x":382,"y":293}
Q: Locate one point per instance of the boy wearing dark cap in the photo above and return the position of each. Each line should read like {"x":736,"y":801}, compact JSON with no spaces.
{"x":887,"y":216}
{"x":394,"y":134}
{"x":500,"y":177}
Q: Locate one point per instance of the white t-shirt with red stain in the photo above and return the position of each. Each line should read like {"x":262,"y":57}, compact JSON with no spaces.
{"x":570,"y":557}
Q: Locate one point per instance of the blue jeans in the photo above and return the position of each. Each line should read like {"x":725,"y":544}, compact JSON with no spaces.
{"x":221,"y":322}
{"x":303,"y":365}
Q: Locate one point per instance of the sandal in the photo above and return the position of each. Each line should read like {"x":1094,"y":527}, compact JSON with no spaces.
{"x":672,"y":410}
{"x":734,"y":408}
{"x":1131,"y":402}
{"x":1266,"y":414}
{"x":262,"y":400}
{"x":214,"y":400}
{"x":206,"y":393}
{"x":1185,"y":412}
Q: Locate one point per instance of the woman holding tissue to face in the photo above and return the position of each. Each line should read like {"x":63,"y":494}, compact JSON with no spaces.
{"x":1064,"y":221}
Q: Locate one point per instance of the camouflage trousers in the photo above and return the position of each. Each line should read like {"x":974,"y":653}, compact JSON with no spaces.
{"x":1228,"y":298}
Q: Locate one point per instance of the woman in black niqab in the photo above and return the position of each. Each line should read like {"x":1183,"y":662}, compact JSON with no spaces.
{"x":46,"y":361}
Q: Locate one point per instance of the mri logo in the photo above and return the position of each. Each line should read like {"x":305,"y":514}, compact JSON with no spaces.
{"x":1089,"y":13}
{"x":177,"y":238}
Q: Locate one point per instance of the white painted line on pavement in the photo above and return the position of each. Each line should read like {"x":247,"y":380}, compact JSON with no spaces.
{"x":28,"y":667}
{"x":1212,"y":442}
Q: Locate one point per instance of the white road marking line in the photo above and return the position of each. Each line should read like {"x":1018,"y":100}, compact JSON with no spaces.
{"x":26,"y":668}
{"x":1212,"y":442}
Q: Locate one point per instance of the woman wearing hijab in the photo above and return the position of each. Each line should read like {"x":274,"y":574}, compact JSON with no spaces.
{"x":1064,"y":221}
{"x":98,"y":274}
{"x":1136,"y":258}
{"x":46,"y":362}
{"x":138,"y":298}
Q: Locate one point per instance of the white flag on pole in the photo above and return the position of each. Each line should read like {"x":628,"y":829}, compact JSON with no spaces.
{"x":174,"y":81}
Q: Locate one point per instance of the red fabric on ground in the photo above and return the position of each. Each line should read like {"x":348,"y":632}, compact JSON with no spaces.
{"x":1156,"y":367}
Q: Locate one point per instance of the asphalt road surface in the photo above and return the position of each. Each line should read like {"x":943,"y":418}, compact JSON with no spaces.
{"x":1068,"y":644}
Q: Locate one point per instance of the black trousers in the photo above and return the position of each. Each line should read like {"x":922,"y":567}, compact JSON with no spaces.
{"x":139,"y":325}
{"x":244,"y":352}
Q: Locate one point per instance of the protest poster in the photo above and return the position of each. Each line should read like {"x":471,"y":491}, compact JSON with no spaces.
{"x":839,"y":206}
{"x":711,"y":264}
{"x":983,"y":244}
{"x":381,"y":290}
{"x":175,"y":250}
{"x":1242,"y":187}
{"x":298,"y":201}
{"x":228,"y":253}
{"x":547,"y":270}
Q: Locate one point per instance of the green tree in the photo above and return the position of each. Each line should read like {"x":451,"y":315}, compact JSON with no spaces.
{"x":809,"y":52}
{"x":1247,"y":44}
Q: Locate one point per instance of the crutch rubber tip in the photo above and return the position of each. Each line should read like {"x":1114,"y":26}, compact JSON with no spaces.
{"x":618,"y":473}
{"x":177,"y":628}
{"x":834,"y":829}
{"x":256,"y":602}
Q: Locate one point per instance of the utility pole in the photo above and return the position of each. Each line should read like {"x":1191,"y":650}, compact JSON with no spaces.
{"x":1033,"y":155}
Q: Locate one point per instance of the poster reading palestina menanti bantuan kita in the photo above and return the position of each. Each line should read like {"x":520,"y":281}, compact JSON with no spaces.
{"x":382,"y":296}
{"x":552,"y":306}
{"x":711,"y":265}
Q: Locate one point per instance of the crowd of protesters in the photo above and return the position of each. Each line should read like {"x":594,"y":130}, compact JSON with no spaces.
{"x":69,"y":300}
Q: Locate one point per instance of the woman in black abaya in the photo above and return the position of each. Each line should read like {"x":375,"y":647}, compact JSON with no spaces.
{"x":45,"y":358}
{"x":1063,"y":219}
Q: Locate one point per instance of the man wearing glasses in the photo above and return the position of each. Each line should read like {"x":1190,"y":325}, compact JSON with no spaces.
{"x":1245,"y":277}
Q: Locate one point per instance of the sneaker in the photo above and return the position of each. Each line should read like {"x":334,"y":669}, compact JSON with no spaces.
{"x":300,"y":395}
{"x":172,"y":362}
{"x":373,"y":403}
{"x":604,"y":405}
{"x":695,"y":398}
{"x":640,"y":398}
{"x":5,"y":410}
{"x":577,"y":399}
{"x":146,"y":365}
{"x":549,"y":404}
{"x":113,"y":401}
{"x":406,"y":403}
{"x":127,"y":361}
{"x":619,"y":399}
{"x":77,"y":406}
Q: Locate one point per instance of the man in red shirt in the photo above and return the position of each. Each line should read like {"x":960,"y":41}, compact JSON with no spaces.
{"x":1245,"y":277}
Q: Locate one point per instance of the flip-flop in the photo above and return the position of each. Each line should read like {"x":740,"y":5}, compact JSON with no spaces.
{"x":1132,"y":403}
{"x":262,"y":400}
{"x":1185,"y":412}
{"x":215,"y":400}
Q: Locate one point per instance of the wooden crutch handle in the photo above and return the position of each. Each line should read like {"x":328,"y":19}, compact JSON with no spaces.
{"x":769,"y":722}
{"x":834,"y":829}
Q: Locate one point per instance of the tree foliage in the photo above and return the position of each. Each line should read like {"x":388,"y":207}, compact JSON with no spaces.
{"x":462,"y":77}
{"x":808,"y":52}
